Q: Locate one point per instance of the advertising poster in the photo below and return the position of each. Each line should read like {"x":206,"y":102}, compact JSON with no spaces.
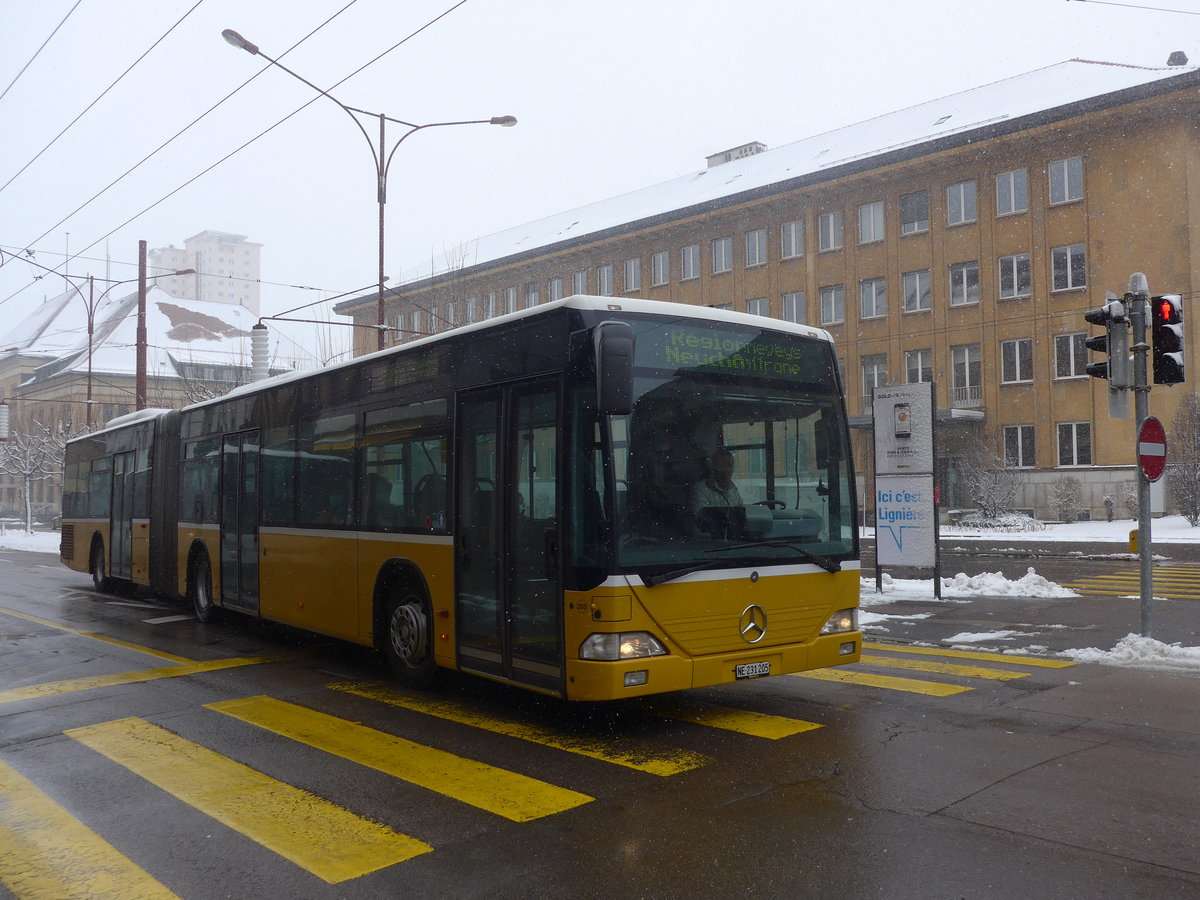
{"x":905,"y":511}
{"x":904,"y":527}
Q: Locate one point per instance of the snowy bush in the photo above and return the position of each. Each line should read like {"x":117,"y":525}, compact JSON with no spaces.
{"x":1008,"y":523}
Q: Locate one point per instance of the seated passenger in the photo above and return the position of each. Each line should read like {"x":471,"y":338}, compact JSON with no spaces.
{"x":718,"y":488}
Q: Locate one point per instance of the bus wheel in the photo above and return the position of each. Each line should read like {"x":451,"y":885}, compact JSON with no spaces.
{"x":96,"y":565}
{"x":407,"y":637}
{"x":200,"y":589}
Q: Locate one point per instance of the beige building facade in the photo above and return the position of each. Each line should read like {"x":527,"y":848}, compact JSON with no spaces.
{"x":959,"y":241}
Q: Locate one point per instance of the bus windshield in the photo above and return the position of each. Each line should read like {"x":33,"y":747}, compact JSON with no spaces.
{"x":735,"y":453}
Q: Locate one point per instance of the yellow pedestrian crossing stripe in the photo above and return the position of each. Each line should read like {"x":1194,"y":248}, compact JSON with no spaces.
{"x":45,"y":852}
{"x":1176,"y":582}
{"x":628,"y":752}
{"x":509,"y":794}
{"x":320,"y":837}
{"x":845,"y":675}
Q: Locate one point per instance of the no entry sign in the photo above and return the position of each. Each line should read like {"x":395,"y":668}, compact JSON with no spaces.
{"x":1152,"y":448}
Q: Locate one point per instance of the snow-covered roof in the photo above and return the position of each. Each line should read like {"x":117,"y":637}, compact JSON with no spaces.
{"x":1012,"y":103}
{"x":180,"y":333}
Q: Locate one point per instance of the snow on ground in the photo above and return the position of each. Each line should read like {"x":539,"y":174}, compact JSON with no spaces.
{"x":1132,"y":650}
{"x":1167,"y":530}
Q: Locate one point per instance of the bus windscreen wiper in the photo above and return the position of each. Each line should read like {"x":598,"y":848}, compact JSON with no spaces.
{"x":652,"y":580}
{"x":829,"y":565}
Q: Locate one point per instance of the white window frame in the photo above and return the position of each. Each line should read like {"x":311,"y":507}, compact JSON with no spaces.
{"x":870,"y":222}
{"x":923,"y":360}
{"x":791,"y":239}
{"x":532,"y":295}
{"x":830,"y":228}
{"x":794,"y":307}
{"x":1016,"y":361}
{"x":1070,"y":355}
{"x":689,"y":262}
{"x":1066,"y":180}
{"x":1012,"y":192}
{"x":919,"y":278}
{"x":510,"y":300}
{"x":554,"y":289}
{"x":604,"y":280}
{"x":966,"y":375}
{"x":961,"y":203}
{"x":758,"y":306}
{"x":488,"y":307}
{"x":579,"y":282}
{"x":722,"y":255}
{"x":872,"y":298}
{"x":964,"y":283}
{"x":660,"y":268}
{"x":633,"y":274}
{"x":1068,"y":436}
{"x":756,"y":247}
{"x":833,"y":304}
{"x":1010,"y":269}
{"x":913,"y":226}
{"x":1065,"y":264}
{"x":1019,"y":447}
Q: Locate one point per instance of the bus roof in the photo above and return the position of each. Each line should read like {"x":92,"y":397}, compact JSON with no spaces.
{"x":575,"y":301}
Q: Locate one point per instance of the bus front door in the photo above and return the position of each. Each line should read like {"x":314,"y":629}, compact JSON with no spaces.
{"x":239,"y":521}
{"x":509,"y":596}
{"x":120,"y":551}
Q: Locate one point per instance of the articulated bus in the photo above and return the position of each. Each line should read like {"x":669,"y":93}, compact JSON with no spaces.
{"x":520,"y":499}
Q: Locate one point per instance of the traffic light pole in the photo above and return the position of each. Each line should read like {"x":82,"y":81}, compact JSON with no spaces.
{"x":1138,"y":303}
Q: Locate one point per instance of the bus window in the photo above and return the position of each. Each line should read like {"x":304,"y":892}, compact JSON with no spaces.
{"x":279,"y":475}
{"x":198,"y":481}
{"x":404,"y":467}
{"x":325,"y":469}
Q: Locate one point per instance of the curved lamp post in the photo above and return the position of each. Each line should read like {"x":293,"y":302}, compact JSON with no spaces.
{"x":379,"y":151}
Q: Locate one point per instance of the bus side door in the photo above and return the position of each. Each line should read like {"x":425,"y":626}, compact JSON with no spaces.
{"x":509,"y":595}
{"x":120,"y":551}
{"x":240,"y":459}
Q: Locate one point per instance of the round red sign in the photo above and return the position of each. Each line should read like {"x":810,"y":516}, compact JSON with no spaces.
{"x":1152,"y":448}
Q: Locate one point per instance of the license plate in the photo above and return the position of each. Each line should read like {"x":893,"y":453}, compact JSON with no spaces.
{"x":752,"y":670}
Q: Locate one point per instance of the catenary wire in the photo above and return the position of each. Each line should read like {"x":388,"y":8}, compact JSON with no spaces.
{"x":40,"y":49}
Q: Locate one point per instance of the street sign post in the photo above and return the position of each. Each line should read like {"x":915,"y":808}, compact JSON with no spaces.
{"x":1152,"y":449}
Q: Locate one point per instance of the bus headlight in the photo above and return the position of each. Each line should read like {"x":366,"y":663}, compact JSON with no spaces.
{"x":627,"y":645}
{"x":841,"y":621}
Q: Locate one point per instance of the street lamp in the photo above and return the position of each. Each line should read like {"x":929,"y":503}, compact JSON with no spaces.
{"x":379,"y":152}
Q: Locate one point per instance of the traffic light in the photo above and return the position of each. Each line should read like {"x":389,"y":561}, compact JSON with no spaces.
{"x":1114,"y":342}
{"x":1166,"y":320}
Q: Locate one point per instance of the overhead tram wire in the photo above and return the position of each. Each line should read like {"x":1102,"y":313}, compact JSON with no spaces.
{"x":261,"y":134}
{"x":40,"y":49}
{"x":154,"y":152}
{"x":100,"y":96}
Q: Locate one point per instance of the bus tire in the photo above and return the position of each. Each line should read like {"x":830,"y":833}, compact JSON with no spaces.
{"x":96,"y":565}
{"x":200,"y":589}
{"x":407,"y":635}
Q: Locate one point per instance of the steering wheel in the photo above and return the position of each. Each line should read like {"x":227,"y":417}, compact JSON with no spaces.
{"x":771,"y":504}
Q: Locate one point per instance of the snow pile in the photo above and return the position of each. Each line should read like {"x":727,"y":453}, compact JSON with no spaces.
{"x":994,"y":584}
{"x":39,"y":542}
{"x":1142,"y":652}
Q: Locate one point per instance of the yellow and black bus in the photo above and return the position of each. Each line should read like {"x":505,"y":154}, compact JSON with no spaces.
{"x":542,"y":499}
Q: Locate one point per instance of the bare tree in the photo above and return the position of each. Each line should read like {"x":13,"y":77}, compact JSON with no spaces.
{"x":35,"y":455}
{"x":990,"y":484}
{"x":1183,"y":473}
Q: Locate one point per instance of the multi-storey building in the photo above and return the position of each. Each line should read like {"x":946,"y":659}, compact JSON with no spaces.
{"x":227,"y":269}
{"x":958,"y":241}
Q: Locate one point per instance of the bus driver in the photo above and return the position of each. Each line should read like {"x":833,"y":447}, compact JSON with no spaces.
{"x":718,"y":488}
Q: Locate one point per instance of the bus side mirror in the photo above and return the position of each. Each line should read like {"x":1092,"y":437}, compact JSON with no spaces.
{"x":614,"y":368}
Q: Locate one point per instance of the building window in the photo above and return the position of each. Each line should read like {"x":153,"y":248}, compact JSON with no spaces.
{"x":488,"y":309}
{"x":1066,"y":180}
{"x":918,"y":366}
{"x":660,"y":268}
{"x":964,"y":283}
{"x":916,"y":291}
{"x":960,"y":203}
{"x":1018,"y":447}
{"x":554,"y":289}
{"x":1012,"y":192}
{"x":689,"y":261}
{"x":914,"y":212}
{"x":756,"y":247}
{"x":722,"y":255}
{"x":451,"y":315}
{"x":1069,"y":266}
{"x":579,"y":282}
{"x":874,"y":374}
{"x":604,"y":280}
{"x":757,"y":306}
{"x":1070,"y":355}
{"x":532,"y":295}
{"x":830,"y":237}
{"x":510,"y":300}
{"x":873,"y":296}
{"x":966,"y":387}
{"x":633,"y":275}
{"x":728,"y":307}
{"x":415,"y":322}
{"x":1014,"y":276}
{"x":793,"y":307}
{"x":791,"y":239}
{"x":870,"y":222}
{"x":833,"y":304}
{"x":472,"y":310}
{"x":1016,"y":361}
{"x":1074,"y":444}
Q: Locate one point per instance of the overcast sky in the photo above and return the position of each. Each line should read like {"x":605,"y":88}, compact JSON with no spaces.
{"x":612,"y":95}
